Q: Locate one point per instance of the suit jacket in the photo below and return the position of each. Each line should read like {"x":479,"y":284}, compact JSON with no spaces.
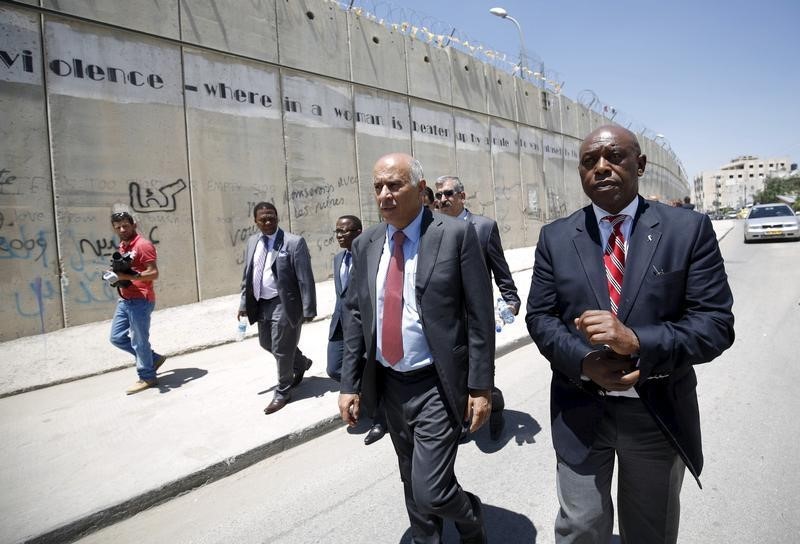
{"x":489,"y":237}
{"x":336,"y":318}
{"x":293,"y":277}
{"x":454,"y":299}
{"x":675,"y":297}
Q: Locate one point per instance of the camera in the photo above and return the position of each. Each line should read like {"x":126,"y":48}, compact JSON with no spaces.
{"x":120,"y":263}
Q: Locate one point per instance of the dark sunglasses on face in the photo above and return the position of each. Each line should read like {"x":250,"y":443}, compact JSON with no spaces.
{"x":447,"y":192}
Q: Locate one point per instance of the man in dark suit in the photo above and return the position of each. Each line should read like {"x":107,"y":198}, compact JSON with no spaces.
{"x":348,"y":228}
{"x":450,"y":196}
{"x":278,"y":292}
{"x":627,"y":294}
{"x":419,"y":336}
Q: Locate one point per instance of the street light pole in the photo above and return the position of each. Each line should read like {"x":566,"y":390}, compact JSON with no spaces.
{"x":503,"y":14}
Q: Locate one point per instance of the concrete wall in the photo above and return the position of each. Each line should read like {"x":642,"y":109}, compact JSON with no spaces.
{"x":198,"y":109}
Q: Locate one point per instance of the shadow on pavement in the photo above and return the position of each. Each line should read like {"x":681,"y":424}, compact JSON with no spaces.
{"x":176,"y":377}
{"x":501,"y":526}
{"x":520,"y":427}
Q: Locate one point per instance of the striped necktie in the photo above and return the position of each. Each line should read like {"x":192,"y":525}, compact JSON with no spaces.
{"x":614,"y":260}
{"x":259,"y":265}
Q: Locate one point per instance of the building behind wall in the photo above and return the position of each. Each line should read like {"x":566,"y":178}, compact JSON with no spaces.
{"x":733,"y":185}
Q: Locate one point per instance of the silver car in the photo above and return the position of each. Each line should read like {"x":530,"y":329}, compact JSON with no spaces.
{"x":768,"y":221}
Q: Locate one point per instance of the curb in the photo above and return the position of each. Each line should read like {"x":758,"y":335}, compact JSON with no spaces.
{"x":114,"y":514}
{"x":129,"y":508}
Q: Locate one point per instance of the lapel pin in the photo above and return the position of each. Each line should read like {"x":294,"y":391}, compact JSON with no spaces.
{"x":649,"y":237}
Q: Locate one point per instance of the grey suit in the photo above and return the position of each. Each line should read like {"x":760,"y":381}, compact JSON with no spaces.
{"x":489,"y":237}
{"x":453,"y":297}
{"x":280,"y":319}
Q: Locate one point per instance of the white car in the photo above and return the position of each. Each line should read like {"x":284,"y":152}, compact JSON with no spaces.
{"x":768,"y":221}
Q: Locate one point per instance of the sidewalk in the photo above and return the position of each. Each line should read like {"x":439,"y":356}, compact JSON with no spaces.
{"x":82,"y":454}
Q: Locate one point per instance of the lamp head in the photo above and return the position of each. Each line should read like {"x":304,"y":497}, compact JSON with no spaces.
{"x":499,"y":12}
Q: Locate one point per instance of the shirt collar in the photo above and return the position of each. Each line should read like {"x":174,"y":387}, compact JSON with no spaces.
{"x":629,"y":210}
{"x":126,"y":245}
{"x":463,"y":215}
{"x":412,"y":230}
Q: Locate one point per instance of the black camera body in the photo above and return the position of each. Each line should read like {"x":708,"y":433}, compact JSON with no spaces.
{"x":121,"y":263}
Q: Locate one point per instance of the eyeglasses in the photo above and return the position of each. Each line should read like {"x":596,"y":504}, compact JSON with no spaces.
{"x":345,"y":231}
{"x":447,"y":192}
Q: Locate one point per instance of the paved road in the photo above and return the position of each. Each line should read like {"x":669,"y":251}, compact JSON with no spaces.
{"x":333,"y":489}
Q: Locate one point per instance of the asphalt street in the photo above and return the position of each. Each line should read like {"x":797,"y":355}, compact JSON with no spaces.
{"x":334,"y":489}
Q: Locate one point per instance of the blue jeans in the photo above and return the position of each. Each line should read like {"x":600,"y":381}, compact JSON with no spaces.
{"x":130,"y":331}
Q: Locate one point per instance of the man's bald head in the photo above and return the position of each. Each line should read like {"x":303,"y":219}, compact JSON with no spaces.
{"x":611,"y":162}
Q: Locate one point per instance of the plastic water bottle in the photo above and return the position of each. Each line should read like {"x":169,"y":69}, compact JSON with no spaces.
{"x":504,"y":311}
{"x":498,"y":321}
{"x":241,"y":330}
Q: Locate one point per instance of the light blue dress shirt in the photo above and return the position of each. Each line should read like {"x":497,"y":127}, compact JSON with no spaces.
{"x":416,"y":352}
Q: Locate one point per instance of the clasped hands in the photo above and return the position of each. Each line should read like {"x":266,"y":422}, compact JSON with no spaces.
{"x":611,"y":368}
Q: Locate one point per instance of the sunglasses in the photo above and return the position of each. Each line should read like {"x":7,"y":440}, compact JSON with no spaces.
{"x":447,"y":193}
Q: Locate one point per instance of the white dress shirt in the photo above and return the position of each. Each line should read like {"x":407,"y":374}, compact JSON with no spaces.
{"x":416,"y":352}
{"x":268,"y":287}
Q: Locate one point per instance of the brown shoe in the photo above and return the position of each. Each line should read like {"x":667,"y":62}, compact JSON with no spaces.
{"x":278,"y":402}
{"x":158,"y":362}
{"x":141,"y":385}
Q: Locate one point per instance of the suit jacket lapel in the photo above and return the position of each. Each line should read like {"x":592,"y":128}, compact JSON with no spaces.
{"x":590,"y":252}
{"x":642,"y":245}
{"x":276,"y":248}
{"x":373,"y":259}
{"x":430,"y":237}
{"x":337,"y":268}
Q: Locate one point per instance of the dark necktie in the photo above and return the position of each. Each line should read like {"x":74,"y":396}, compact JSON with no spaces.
{"x":614,"y":260}
{"x":392,"y":334}
{"x":346,"y":269}
{"x":258,"y":268}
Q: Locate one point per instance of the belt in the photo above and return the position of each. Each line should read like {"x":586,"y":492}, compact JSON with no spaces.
{"x":267,"y":299}
{"x":411,"y":375}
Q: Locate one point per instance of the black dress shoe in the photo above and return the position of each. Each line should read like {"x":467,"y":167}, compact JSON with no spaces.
{"x":278,"y":402}
{"x":496,"y":424}
{"x":375,"y":433}
{"x":298,"y":377}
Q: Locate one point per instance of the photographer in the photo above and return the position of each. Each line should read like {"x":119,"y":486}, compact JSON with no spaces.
{"x":133,"y":272}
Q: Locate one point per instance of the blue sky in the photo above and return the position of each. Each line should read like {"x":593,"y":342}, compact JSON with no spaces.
{"x":718,"y":78}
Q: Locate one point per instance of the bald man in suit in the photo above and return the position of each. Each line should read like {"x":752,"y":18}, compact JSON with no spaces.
{"x":627,"y":295}
{"x":419,"y":336}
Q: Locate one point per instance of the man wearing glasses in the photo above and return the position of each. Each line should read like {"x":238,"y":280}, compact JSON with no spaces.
{"x":348,"y":227}
{"x":450,"y":197}
{"x":278,"y":293}
{"x":130,"y":327}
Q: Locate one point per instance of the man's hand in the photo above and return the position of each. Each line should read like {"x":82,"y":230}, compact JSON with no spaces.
{"x":514,"y":308}
{"x":610,"y":371}
{"x":601,"y":327}
{"x":240,"y":314}
{"x":479,"y":406}
{"x":350,"y":408}
{"x":308,"y":319}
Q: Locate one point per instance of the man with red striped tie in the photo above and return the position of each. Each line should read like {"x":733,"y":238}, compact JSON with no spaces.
{"x":627,"y":295}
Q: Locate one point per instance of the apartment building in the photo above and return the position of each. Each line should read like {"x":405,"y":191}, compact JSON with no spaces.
{"x":734,"y":184}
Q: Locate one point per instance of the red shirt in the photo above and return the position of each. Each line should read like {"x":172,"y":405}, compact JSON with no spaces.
{"x":143,"y":252}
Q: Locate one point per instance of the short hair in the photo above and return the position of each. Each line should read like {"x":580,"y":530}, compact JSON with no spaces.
{"x":355,"y":220}
{"x":264,"y":206}
{"x":415,"y":170}
{"x":119,"y":217}
{"x":687,"y":200}
{"x":458,"y":186}
{"x":429,"y":194}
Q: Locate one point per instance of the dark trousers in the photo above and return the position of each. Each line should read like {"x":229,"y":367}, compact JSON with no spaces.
{"x":425,"y":438}
{"x":280,"y":337}
{"x":649,"y":482}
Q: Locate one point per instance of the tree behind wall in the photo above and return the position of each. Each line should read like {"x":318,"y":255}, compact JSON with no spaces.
{"x":779,"y":186}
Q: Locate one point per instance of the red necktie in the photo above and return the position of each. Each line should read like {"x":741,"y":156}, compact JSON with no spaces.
{"x":391,"y":333}
{"x":614,"y":259}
